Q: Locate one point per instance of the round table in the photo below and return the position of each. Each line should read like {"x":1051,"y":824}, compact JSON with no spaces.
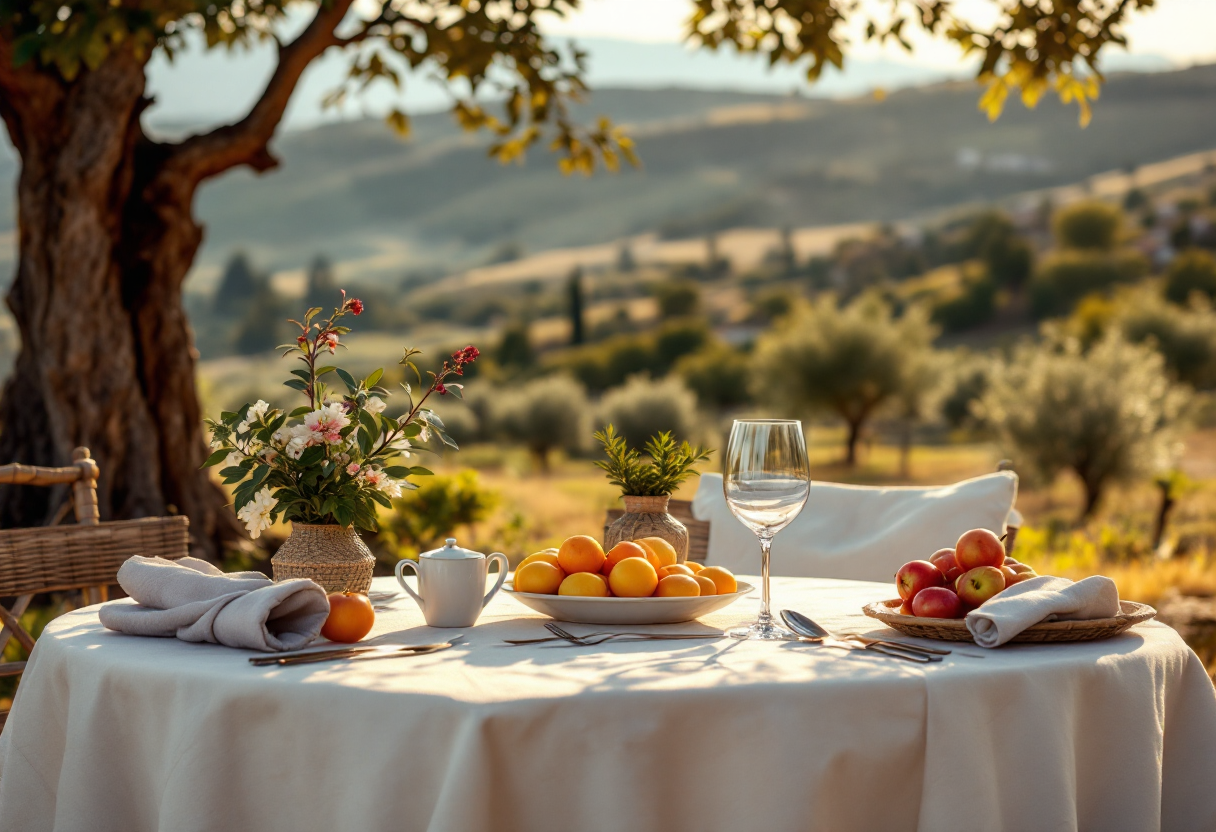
{"x":125,"y":733}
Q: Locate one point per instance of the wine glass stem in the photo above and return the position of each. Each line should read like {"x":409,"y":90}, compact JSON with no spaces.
{"x":766,"y":544}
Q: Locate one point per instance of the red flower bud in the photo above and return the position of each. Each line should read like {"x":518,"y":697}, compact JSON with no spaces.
{"x":440,"y":388}
{"x":302,"y":339}
{"x":356,"y":306}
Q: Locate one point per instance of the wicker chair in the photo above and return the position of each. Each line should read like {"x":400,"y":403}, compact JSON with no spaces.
{"x":82,"y":557}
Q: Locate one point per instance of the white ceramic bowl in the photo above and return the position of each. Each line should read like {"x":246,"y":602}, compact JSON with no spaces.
{"x":586,"y":610}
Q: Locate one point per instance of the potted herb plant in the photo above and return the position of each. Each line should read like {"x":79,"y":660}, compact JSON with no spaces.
{"x":328,"y":464}
{"x":647,"y":481}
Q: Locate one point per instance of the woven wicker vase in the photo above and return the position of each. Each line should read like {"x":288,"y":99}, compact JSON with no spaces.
{"x":333,"y":556}
{"x":648,"y":517}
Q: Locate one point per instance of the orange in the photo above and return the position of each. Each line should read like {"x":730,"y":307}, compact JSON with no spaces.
{"x":708,"y":587}
{"x":581,"y":554}
{"x":677,"y":585}
{"x":633,"y":578}
{"x":722,"y":578}
{"x":675,"y":569}
{"x":584,"y":583}
{"x":546,"y":557}
{"x":540,"y":577}
{"x":619,"y":552}
{"x":662,"y":550}
{"x":694,"y":566}
{"x":350,"y":617}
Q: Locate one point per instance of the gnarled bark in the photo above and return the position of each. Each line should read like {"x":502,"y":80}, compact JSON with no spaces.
{"x":106,"y":238}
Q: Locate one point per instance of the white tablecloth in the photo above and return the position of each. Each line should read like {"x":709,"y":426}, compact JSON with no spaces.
{"x":114,"y":732}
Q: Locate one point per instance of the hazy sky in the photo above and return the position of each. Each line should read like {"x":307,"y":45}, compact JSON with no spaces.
{"x":1182,"y":30}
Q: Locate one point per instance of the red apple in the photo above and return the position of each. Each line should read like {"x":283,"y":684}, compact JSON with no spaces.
{"x":1021,"y":567}
{"x":1018,"y":577}
{"x":947,"y":564}
{"x":937,"y":602}
{"x":979,"y":584}
{"x":1011,"y":577}
{"x":916,"y":575}
{"x":979,"y":547}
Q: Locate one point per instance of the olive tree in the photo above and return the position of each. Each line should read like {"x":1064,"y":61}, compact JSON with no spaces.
{"x":642,"y":408}
{"x":1106,"y":414}
{"x":544,"y":414}
{"x":848,"y":361}
{"x":106,"y":213}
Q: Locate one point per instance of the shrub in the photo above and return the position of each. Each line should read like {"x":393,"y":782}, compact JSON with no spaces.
{"x":718,"y":375}
{"x":1192,"y":271}
{"x":544,"y":414}
{"x":847,"y":361}
{"x":966,"y":382}
{"x":1186,"y":338}
{"x":643,"y":408}
{"x":1087,"y":225}
{"x":441,"y":504}
{"x":1066,"y":277}
{"x":1106,"y":414}
{"x":610,"y":362}
{"x":677,"y":298}
{"x":974,"y":304}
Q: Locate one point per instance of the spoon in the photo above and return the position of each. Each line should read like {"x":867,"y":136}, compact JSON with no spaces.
{"x":804,"y":626}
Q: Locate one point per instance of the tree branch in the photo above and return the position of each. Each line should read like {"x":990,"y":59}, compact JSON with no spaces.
{"x":245,"y":142}
{"x":24,"y":93}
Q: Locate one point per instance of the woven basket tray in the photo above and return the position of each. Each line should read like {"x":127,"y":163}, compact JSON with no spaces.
{"x":954,"y":629}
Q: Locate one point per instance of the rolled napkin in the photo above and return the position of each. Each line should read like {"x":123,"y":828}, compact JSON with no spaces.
{"x":194,"y":601}
{"x":1041,"y":599}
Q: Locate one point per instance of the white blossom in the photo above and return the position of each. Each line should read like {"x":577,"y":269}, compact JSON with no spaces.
{"x":256,"y":411}
{"x":374,"y":404}
{"x":256,"y":513}
{"x":234,"y":458}
{"x":328,"y":421}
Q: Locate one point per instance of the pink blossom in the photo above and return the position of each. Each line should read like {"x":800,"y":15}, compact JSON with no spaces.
{"x":353,"y":468}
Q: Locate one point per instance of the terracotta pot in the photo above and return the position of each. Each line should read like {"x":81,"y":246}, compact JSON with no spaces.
{"x":333,"y":556}
{"x":648,"y":517}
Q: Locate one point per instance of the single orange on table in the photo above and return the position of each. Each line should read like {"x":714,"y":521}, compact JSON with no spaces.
{"x":633,"y":578}
{"x":722,"y":578}
{"x":674,"y":586}
{"x":581,"y":554}
{"x":585,"y":584}
{"x":663,"y":551}
{"x":675,"y":569}
{"x":619,"y":552}
{"x":539,"y":577}
{"x":708,"y":587}
{"x":350,"y":617}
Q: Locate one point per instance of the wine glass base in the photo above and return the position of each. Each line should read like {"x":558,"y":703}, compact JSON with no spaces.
{"x":762,"y":631}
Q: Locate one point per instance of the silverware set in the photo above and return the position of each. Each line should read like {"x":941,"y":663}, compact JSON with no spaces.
{"x":808,"y":630}
{"x":591,"y":639}
{"x":361,"y":652}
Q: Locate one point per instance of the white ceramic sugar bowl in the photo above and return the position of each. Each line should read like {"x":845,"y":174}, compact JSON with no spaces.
{"x":452,"y":583}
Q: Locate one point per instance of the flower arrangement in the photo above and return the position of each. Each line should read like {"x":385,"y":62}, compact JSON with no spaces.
{"x":335,"y":459}
{"x":669,"y":465}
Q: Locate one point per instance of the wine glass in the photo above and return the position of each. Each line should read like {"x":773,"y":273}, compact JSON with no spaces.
{"x":766,"y":477}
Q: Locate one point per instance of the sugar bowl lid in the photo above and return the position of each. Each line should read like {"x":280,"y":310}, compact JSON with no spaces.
{"x":450,"y":551}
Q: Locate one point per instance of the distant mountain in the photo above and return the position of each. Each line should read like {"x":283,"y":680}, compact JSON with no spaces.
{"x":711,"y":160}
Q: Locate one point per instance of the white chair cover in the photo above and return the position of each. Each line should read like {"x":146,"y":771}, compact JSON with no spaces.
{"x":858,"y":532}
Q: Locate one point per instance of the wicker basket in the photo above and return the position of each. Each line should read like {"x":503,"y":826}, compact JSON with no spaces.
{"x":333,"y":556}
{"x":955,"y":629}
{"x":648,"y":517}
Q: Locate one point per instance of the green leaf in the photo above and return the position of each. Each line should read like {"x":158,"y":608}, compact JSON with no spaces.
{"x":312,"y":455}
{"x":323,"y":370}
{"x":296,"y":384}
{"x":259,"y":474}
{"x":347,"y":379}
{"x":365,"y":441}
{"x":371,"y":380}
{"x":381,"y":499}
{"x":216,"y":458}
{"x":419,"y":471}
{"x":299,"y":411}
{"x":302,"y":374}
{"x":397,"y":471}
{"x":370,"y":422}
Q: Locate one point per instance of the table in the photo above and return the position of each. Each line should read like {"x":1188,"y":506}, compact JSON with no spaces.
{"x":124,"y":733}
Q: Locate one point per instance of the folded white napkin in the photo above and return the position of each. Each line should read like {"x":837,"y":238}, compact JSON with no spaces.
{"x":1039,"y":599}
{"x":193,"y":600}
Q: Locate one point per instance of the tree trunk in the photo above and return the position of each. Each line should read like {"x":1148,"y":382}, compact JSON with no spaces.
{"x":1093,"y":493}
{"x":106,"y":358}
{"x":905,"y":449}
{"x":850,"y":456}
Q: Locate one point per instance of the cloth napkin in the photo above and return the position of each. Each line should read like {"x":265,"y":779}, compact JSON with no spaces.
{"x":195,"y":601}
{"x":1041,"y":599}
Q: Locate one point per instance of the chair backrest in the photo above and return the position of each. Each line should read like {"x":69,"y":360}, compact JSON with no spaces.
{"x":698,"y":530}
{"x":858,"y":532}
{"x":85,"y":556}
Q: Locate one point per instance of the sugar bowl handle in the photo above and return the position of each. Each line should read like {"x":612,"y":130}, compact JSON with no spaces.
{"x":503,"y":566}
